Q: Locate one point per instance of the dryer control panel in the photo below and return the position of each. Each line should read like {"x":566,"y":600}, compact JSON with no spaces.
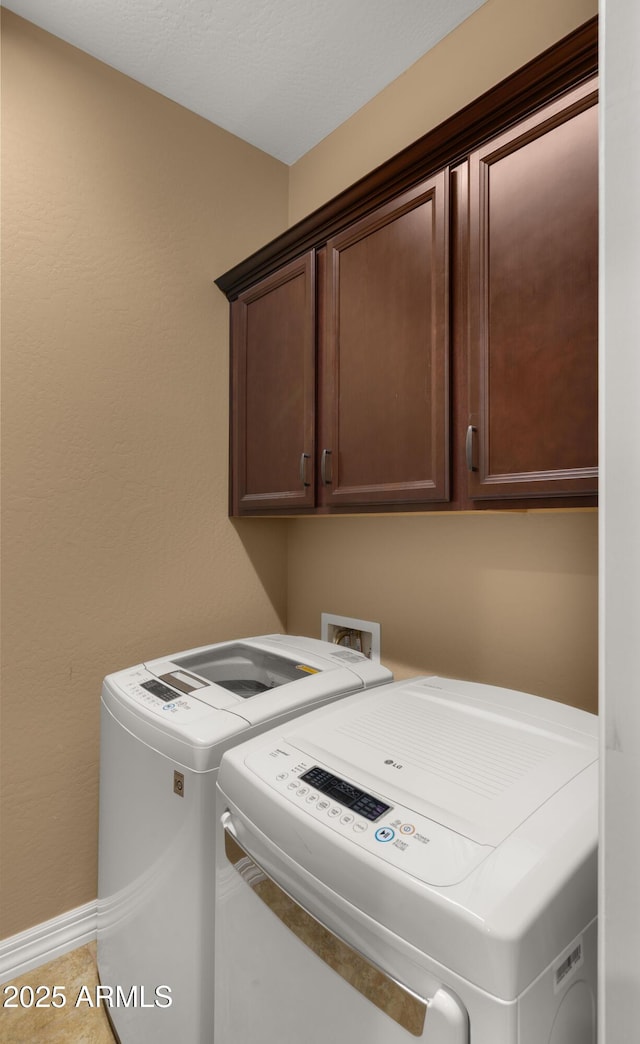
{"x":345,"y":793}
{"x":384,"y":827}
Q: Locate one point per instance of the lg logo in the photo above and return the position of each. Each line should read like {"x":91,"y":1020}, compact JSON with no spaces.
{"x":390,"y":761}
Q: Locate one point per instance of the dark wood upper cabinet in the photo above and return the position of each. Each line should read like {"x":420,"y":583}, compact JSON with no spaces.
{"x":384,"y":424}
{"x":533,"y":305}
{"x":273,"y":392}
{"x":428,"y":339}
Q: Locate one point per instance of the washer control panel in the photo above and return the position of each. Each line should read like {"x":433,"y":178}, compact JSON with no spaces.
{"x":159,"y":689}
{"x":399,"y":835}
{"x":149,"y":693}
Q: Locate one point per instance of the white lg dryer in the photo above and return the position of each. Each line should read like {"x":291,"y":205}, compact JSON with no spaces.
{"x":164,"y":727}
{"x":418,"y":861}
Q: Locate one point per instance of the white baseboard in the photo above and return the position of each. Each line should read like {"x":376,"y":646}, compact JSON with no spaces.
{"x":44,"y":942}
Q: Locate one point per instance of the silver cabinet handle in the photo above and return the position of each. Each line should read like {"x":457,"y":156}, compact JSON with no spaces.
{"x":398,"y":1001}
{"x":469,"y":447}
{"x":326,"y":455}
{"x":304,"y":457}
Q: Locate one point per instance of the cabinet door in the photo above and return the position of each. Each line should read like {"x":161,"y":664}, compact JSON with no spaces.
{"x":384,"y":373}
{"x":533,"y":308}
{"x":273,"y":392}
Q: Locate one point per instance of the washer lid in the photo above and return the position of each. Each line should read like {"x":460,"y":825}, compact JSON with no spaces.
{"x":270,"y":676}
{"x":189,"y":705}
{"x":473,"y":758}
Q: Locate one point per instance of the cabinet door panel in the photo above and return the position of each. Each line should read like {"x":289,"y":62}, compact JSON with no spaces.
{"x":273,"y":391}
{"x":385,"y":343}
{"x":534,"y":287}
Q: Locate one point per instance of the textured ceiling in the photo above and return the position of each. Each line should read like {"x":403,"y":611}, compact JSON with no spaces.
{"x":282,"y":74}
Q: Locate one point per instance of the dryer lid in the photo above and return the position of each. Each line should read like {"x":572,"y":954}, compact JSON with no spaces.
{"x":476,"y":759}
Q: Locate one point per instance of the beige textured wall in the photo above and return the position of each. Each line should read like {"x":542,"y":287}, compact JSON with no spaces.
{"x":493,"y":42}
{"x":508,"y":600}
{"x":119,"y":209}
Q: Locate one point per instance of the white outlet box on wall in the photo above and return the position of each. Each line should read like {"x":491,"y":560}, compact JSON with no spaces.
{"x":363,"y":635}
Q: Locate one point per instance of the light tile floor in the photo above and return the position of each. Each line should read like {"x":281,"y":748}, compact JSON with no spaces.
{"x":71,"y":1024}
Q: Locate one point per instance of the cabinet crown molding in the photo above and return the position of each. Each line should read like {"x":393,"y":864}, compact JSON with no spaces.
{"x":563,"y":66}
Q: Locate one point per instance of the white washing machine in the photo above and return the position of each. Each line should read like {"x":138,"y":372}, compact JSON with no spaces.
{"x":416,"y":862}
{"x":164,"y":727}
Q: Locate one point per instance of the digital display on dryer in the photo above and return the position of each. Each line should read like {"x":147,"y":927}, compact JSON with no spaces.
{"x":345,"y":793}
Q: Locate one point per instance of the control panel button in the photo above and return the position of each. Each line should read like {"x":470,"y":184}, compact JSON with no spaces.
{"x":384,"y":834}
